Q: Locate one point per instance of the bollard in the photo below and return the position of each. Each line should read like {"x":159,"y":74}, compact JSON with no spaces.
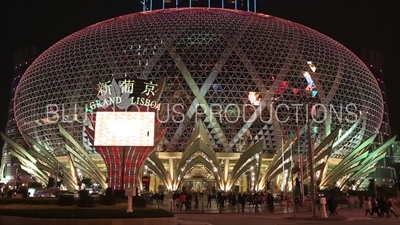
{"x":170,"y":207}
{"x":323,"y":202}
{"x":158,"y":204}
{"x":202,"y":207}
{"x":238,"y":208}
{"x":220,"y":209}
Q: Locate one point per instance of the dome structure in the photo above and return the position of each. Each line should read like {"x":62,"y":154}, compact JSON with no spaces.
{"x":230,"y":69}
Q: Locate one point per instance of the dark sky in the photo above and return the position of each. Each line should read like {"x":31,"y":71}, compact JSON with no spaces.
{"x":355,"y":24}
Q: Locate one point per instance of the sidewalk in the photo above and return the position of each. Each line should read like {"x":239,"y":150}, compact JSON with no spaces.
{"x":319,"y":217}
{"x":343,"y":214}
{"x":345,"y":217}
{"x":304,"y":213}
{"x":278,"y":209}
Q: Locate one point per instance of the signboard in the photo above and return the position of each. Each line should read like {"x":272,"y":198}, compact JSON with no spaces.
{"x":124,"y":129}
{"x":124,"y":93}
{"x":130,"y":192}
{"x":146,"y":182}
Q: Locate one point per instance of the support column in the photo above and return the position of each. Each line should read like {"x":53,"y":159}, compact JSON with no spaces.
{"x":244,"y":183}
{"x":139,"y":183}
{"x":226,"y":173}
{"x":73,"y":170}
{"x":171,"y":169}
{"x":152,"y":183}
{"x":258,"y":174}
{"x":275,"y":186}
{"x":156,"y":183}
{"x":328,"y":121}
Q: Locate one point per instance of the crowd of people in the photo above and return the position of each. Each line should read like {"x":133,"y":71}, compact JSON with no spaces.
{"x":381,"y":206}
{"x":184,"y":200}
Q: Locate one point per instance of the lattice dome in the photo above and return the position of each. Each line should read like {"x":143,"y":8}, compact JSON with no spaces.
{"x":209,"y":56}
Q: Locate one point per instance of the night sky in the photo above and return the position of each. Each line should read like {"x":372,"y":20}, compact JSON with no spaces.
{"x":355,"y":24}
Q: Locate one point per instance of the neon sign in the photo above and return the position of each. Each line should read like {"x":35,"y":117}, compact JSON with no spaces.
{"x":124,"y":94}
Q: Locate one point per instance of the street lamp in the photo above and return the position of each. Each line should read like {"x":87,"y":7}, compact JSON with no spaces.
{"x":311,"y":163}
{"x":307,"y":98}
{"x":311,"y":92}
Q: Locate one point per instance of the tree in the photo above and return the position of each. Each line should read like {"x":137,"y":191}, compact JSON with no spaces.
{"x":350,"y":184}
{"x":332,"y":187}
{"x":87,"y":182}
{"x":35,"y":185}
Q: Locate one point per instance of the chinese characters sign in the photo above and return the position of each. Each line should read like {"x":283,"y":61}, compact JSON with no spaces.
{"x":127,"y":86}
{"x":125,"y":93}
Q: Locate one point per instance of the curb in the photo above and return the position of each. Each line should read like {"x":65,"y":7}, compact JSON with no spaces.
{"x":359,"y":218}
{"x":181,"y":222}
{"x":229,"y":213}
{"x":316,"y":218}
{"x":328,"y":218}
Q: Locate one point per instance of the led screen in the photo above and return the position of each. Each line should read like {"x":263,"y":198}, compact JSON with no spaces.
{"x":124,"y":129}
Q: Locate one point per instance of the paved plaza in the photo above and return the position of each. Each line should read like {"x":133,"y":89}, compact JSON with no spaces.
{"x":257,"y":219}
{"x":278,"y":208}
{"x":227,"y":209}
{"x":282,"y":215}
{"x":345,"y":217}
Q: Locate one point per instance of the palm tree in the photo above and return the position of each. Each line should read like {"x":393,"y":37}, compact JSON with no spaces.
{"x":350,"y":183}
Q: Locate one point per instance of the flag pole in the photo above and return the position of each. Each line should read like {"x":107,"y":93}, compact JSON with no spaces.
{"x":301,"y":167}
{"x":293,"y":186}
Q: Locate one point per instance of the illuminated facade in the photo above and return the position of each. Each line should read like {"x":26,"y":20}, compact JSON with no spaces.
{"x":375,"y":61}
{"x":385,"y":172}
{"x":9,"y":164}
{"x":209,"y":77}
{"x":249,"y":5}
{"x":396,"y":157}
{"x":201,"y":168}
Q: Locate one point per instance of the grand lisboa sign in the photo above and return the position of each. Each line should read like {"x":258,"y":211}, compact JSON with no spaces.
{"x":124,"y":93}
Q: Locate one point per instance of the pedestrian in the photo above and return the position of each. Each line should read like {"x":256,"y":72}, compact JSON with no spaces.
{"x":368,"y":207}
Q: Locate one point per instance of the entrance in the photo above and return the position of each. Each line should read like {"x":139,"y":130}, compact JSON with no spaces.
{"x":198,"y":185}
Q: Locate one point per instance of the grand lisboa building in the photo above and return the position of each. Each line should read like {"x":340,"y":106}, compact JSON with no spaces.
{"x":245,"y":83}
